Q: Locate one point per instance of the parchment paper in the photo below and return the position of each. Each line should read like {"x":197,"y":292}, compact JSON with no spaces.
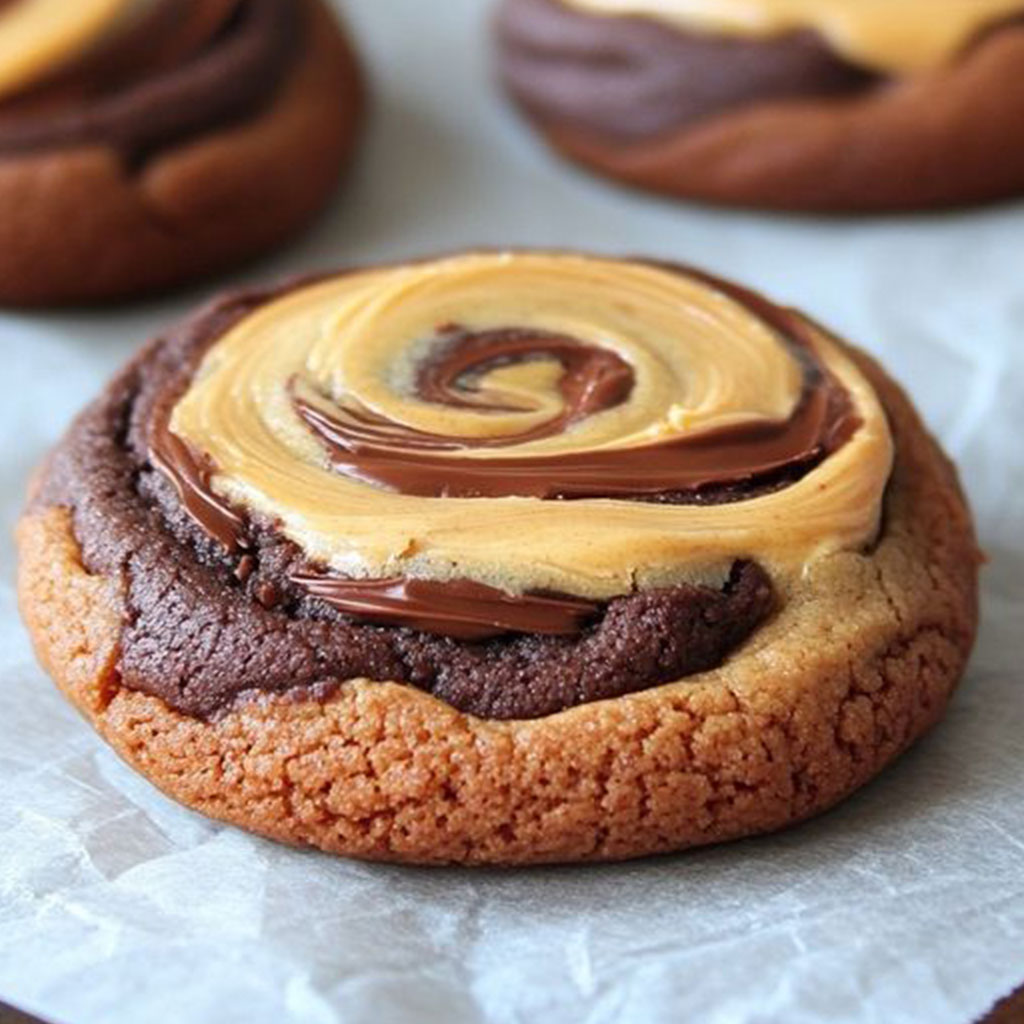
{"x":905,"y":904}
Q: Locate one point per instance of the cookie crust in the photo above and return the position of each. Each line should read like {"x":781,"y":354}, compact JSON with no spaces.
{"x":929,"y":141}
{"x":80,"y":225}
{"x":858,"y":664}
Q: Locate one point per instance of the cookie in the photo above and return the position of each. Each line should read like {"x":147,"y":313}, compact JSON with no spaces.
{"x":146,"y":143}
{"x":1007,"y":1011}
{"x":803,"y":105}
{"x":502,"y":558}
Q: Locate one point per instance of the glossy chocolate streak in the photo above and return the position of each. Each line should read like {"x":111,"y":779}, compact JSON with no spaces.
{"x":718,"y":466}
{"x":235,"y":74}
{"x":172,"y":32}
{"x":369,"y":448}
{"x":634,"y":78}
{"x":191,"y":479}
{"x":459,"y":608}
{"x":374,"y":450}
{"x":594,"y":379}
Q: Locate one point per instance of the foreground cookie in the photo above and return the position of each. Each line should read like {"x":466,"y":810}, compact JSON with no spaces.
{"x":830,"y":105}
{"x":147,"y":142}
{"x":502,"y":558}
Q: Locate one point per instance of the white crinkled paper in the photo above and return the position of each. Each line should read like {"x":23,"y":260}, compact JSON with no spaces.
{"x":905,"y":904}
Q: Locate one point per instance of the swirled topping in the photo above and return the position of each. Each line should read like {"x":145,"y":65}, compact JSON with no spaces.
{"x":528,"y":425}
{"x":892,"y":36}
{"x":48,"y":39}
{"x":134,"y":72}
{"x":37,"y":36}
{"x":564,"y":67}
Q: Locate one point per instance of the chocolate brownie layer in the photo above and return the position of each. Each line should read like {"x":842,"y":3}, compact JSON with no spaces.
{"x":236,"y":74}
{"x":633,"y":78}
{"x":203,"y":627}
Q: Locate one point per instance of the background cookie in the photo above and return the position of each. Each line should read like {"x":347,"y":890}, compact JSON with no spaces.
{"x":231,"y":630}
{"x":802,"y":106}
{"x":201,"y":134}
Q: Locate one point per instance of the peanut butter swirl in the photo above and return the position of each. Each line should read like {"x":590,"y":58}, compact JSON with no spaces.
{"x":896,"y":37}
{"x":38,"y":36}
{"x":424,"y":423}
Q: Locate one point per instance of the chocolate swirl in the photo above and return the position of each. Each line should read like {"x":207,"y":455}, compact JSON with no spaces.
{"x":372,"y":448}
{"x":459,"y":608}
{"x":418,"y":430}
{"x":639,"y":78}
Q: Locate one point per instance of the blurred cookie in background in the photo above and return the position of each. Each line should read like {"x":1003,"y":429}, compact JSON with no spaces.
{"x":144,"y":143}
{"x":815,"y":105}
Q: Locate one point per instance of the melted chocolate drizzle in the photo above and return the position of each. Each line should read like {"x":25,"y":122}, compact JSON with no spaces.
{"x":372,"y":449}
{"x":459,"y":608}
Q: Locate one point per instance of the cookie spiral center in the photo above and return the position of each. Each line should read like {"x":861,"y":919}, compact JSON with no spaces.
{"x":550,"y":382}
{"x":368,"y":446}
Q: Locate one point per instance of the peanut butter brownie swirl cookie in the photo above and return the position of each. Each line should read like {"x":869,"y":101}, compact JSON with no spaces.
{"x":147,"y":142}
{"x":828,"y":105}
{"x":502,"y":558}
